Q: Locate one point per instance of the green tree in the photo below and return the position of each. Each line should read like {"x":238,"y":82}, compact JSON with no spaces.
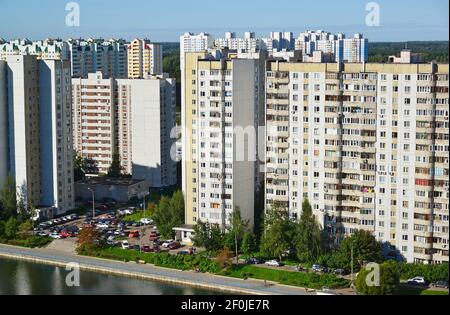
{"x":8,"y":199}
{"x":11,"y":228}
{"x":365,"y":249}
{"x":115,"y":170}
{"x":279,"y":233}
{"x":208,"y":236}
{"x":389,"y":281}
{"x":309,"y":235}
{"x":249,"y":244}
{"x":78,"y":167}
{"x":25,"y":229}
{"x":169,"y":213}
{"x":236,"y":231}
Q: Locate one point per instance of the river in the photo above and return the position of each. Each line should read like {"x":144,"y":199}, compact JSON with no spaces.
{"x":23,"y":278}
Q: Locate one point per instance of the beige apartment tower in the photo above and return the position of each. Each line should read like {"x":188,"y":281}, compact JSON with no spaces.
{"x":367,"y":145}
{"x":144,"y":58}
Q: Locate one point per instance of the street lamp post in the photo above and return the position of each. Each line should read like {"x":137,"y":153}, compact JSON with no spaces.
{"x":93,"y":202}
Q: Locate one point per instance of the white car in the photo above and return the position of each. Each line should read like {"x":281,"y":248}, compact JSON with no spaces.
{"x":125,"y":245}
{"x":128,"y":212}
{"x":417,"y":281}
{"x":147,"y":221}
{"x":166,"y":244}
{"x":55,"y":236}
{"x":273,"y":263}
{"x":103,"y":226}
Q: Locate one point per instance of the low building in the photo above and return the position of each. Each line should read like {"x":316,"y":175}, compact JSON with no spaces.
{"x":184,"y":234}
{"x":120,"y":189}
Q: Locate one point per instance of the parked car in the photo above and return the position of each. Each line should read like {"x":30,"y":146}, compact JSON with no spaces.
{"x":340,"y":272}
{"x":166,"y":244}
{"x":442,"y":284}
{"x":65,"y":234}
{"x":274,"y":263}
{"x":125,"y":245}
{"x":102,"y":226}
{"x":147,"y":221}
{"x":42,"y":234}
{"x":146,"y":249}
{"x":317,"y":268}
{"x":55,"y":236}
{"x":175,"y":245}
{"x":156,"y":249}
{"x":300,"y":268}
{"x":417,"y":281}
{"x":253,"y":261}
{"x":136,"y":248}
{"x":134,"y":234}
{"x":185,"y":252}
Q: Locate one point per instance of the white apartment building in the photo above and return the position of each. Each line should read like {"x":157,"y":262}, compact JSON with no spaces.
{"x":107,"y":56}
{"x":39,"y":132}
{"x":279,"y":41}
{"x":44,"y":49}
{"x":367,"y":144}
{"x":223,"y":101}
{"x":352,"y":50}
{"x":131,"y":117}
{"x":249,"y":43}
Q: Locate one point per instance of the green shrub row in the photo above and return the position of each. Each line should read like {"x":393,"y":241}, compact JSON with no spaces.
{"x":300,"y":279}
{"x":431,"y":273}
{"x":30,"y":242}
{"x":180,"y":262}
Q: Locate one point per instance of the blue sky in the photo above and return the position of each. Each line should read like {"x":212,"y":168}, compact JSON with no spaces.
{"x":166,"y":20}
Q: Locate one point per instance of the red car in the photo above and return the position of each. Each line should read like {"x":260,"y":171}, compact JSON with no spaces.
{"x":174,"y":245}
{"x":146,"y":249}
{"x":156,"y":249}
{"x":65,"y":234}
{"x":134,"y":234}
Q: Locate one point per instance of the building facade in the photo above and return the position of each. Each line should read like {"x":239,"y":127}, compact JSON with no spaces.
{"x":39,"y":131}
{"x":144,"y":58}
{"x":367,"y":144}
{"x":352,"y":50}
{"x":131,"y":117}
{"x":249,"y":43}
{"x":223,"y":101}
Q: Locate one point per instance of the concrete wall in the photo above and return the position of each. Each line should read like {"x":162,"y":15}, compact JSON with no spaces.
{"x":3,"y":126}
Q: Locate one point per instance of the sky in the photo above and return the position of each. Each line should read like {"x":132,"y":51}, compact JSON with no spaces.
{"x":166,"y":20}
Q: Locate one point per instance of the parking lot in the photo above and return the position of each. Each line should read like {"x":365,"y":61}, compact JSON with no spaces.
{"x":114,"y":231}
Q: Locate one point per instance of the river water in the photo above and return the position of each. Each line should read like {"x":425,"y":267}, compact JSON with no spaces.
{"x":23,"y":278}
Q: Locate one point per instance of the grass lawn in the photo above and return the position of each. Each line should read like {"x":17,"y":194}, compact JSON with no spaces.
{"x":30,"y":242}
{"x":306,"y":280}
{"x":418,"y":291}
{"x":136,"y":217}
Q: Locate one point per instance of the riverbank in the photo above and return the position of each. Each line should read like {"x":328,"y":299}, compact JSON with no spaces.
{"x":148,"y":272}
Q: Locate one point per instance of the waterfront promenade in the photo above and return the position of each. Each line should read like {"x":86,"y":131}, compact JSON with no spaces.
{"x":149,"y":272}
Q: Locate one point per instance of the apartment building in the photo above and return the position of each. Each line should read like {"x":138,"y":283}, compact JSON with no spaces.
{"x":223,"y":103}
{"x":367,"y":144}
{"x":278,"y":42}
{"x":43,"y":49}
{"x":144,"y":58}
{"x":249,"y":43}
{"x":39,"y":148}
{"x":131,"y":117}
{"x":110,"y":57}
{"x":353,"y":50}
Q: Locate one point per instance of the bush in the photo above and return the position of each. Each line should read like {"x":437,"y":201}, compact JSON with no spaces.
{"x":304,"y":280}
{"x":30,"y":242}
{"x":431,"y":273}
{"x":389,"y":281}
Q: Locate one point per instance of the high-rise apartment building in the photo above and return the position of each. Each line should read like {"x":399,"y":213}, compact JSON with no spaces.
{"x":43,"y":49}
{"x":279,"y":41}
{"x":223,"y":104}
{"x":93,"y":55}
{"x":131,"y":117}
{"x":39,"y":134}
{"x":144,"y":58}
{"x":367,"y":144}
{"x":352,"y":50}
{"x":249,"y":43}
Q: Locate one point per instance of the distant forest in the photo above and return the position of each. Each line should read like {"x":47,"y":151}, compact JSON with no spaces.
{"x":438,"y":51}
